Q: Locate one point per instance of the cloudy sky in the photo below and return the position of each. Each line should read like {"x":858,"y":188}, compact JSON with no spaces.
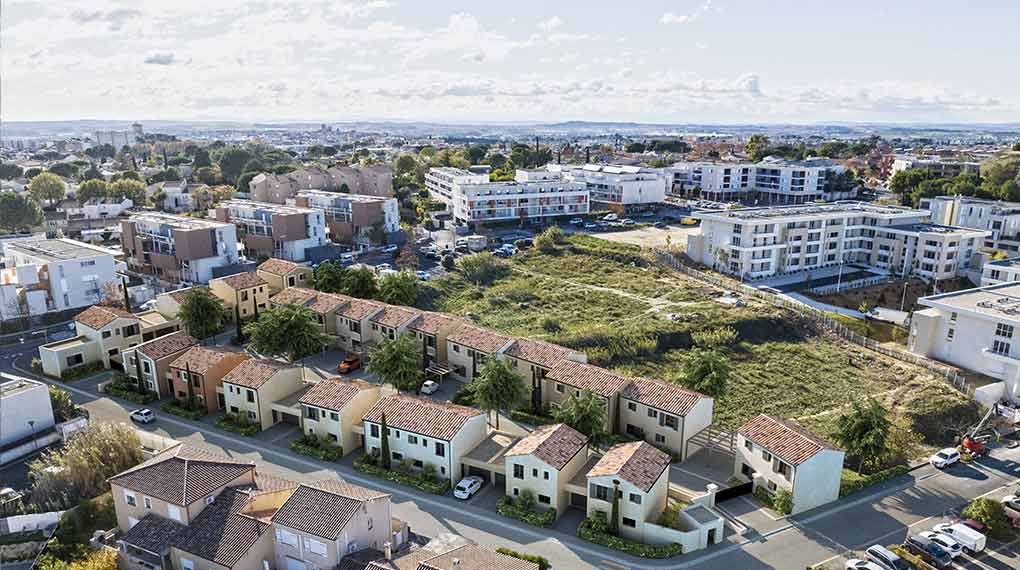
{"x":677,"y":61}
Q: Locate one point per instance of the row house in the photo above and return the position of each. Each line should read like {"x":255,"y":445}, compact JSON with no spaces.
{"x":243,"y":294}
{"x":332,"y":408}
{"x":325,"y":306}
{"x":638,"y":474}
{"x":468,"y":347}
{"x":354,"y":333}
{"x":273,"y":230}
{"x":280,"y":274}
{"x":253,"y":386}
{"x":196,"y":376}
{"x":149,"y":362}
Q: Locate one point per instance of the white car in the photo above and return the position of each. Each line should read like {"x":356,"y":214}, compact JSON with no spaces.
{"x":142,"y":416}
{"x":944,"y":458}
{"x":858,"y":564}
{"x":390,"y":249}
{"x":971,"y":540}
{"x":383,"y":267}
{"x":1011,"y":502}
{"x":948,"y":543}
{"x":611,"y":217}
{"x":424,"y":275}
{"x":429,"y":387}
{"x":468,"y":486}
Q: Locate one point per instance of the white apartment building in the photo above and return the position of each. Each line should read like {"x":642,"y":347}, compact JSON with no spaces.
{"x":617,"y":185}
{"x":533,"y":194}
{"x":763,"y":242}
{"x":1002,"y":271}
{"x":440,"y":182}
{"x":1000,"y":219}
{"x":275,"y":230}
{"x":45,"y":275}
{"x":973,"y":329}
{"x":774,"y":180}
{"x":352,"y":218}
{"x":942,"y":167}
{"x":26,"y":416}
{"x":177,"y":249}
{"x":98,"y":209}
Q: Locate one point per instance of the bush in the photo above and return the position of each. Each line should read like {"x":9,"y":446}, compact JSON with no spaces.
{"x":781,"y":501}
{"x":238,"y":424}
{"x":544,"y":417}
{"x":715,"y":338}
{"x":990,"y":513}
{"x":482,"y":268}
{"x":543,"y":563}
{"x":523,"y":511}
{"x":464,"y":396}
{"x":910,"y":557}
{"x":853,"y":481}
{"x":596,"y":529}
{"x":177,"y":409}
{"x":320,"y":448}
{"x":425,"y":480}
{"x":550,"y":324}
{"x":36,"y":365}
{"x":79,"y":372}
{"x":122,"y":387}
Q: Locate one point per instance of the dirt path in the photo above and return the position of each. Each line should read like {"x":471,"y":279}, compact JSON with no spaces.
{"x":656,"y":304}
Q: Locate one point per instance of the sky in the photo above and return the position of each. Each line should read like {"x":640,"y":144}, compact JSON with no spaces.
{"x":708,"y":61}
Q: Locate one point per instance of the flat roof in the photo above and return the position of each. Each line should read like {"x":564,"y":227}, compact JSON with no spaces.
{"x":999,"y":301}
{"x":932,"y":229}
{"x":1011,"y":262}
{"x":180,"y":222}
{"x":800,"y":210}
{"x":266,"y":206}
{"x":341,"y":196}
{"x":17,"y":386}
{"x":61,"y":249}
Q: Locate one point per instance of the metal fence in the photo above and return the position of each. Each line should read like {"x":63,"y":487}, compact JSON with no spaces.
{"x":856,"y":284}
{"x":951,"y":375}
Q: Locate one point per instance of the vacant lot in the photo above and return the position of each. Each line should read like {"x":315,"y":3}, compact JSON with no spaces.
{"x":891,"y":295}
{"x":610,"y":301}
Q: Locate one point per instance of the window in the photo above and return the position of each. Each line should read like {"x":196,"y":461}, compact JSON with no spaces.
{"x":456,"y":348}
{"x":534,"y":472}
{"x":1004,"y":330}
{"x":952,"y":316}
{"x":251,"y":395}
{"x":75,"y":360}
{"x":999,"y":347}
{"x":518,"y":471}
{"x":145,"y":367}
{"x":106,"y":334}
{"x":629,"y":522}
{"x":601,"y":492}
{"x":635,"y":498}
{"x":766,"y":455}
{"x":209,"y":500}
{"x":418,"y":463}
{"x":147,"y":502}
{"x":285,"y":537}
{"x":545,"y":475}
{"x":187,"y":564}
{"x":659,"y":438}
{"x":652,"y":413}
{"x":670,"y":421}
{"x":174,"y":512}
{"x":783,"y":469}
{"x":129,"y":498}
{"x":748,"y":445}
{"x":949,"y":334}
{"x":440,"y":449}
{"x":544,"y":499}
{"x":311,"y":413}
{"x":772,"y":486}
{"x":412,"y":440}
{"x":397,"y":456}
{"x":251,"y":415}
{"x":374,"y":430}
{"x":559,"y":388}
{"x":334,"y":416}
{"x":632,"y":406}
{"x":315,"y":547}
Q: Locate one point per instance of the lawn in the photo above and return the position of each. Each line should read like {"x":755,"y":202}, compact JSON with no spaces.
{"x":610,"y":301}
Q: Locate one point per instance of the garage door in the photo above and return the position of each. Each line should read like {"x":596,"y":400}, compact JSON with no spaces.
{"x":577,"y":500}
{"x":295,"y":564}
{"x":500,"y":480}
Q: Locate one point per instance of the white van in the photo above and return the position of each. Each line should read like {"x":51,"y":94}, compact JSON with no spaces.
{"x":971,"y":540}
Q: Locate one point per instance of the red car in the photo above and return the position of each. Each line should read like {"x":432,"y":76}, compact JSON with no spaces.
{"x":349,"y":364}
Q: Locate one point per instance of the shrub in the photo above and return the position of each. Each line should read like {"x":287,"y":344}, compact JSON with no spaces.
{"x":176,"y":408}
{"x":424,"y":480}
{"x":523,"y":511}
{"x":550,"y":324}
{"x":544,"y":417}
{"x":37,"y":365}
{"x":781,"y":501}
{"x":464,"y":396}
{"x":596,"y":529}
{"x":79,"y":372}
{"x":853,"y":481}
{"x":715,"y":338}
{"x":543,"y":563}
{"x":238,"y":424}
{"x":990,"y":513}
{"x":526,"y":501}
{"x":122,"y":387}
{"x":910,"y":557}
{"x":482,"y":268}
{"x":320,"y":448}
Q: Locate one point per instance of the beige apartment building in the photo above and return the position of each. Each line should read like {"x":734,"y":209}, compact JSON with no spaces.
{"x":331,"y":408}
{"x":433,"y":330}
{"x":252,"y":387}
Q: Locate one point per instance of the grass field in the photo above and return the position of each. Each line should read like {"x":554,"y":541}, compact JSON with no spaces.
{"x":611,"y":301}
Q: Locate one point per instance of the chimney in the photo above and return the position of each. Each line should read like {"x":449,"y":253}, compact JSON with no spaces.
{"x":455,"y":565}
{"x":388,"y":551}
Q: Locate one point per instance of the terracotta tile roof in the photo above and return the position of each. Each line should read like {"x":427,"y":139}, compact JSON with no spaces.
{"x":483,"y":340}
{"x":473,"y":557}
{"x":335,"y":393}
{"x":181,"y":294}
{"x":270,"y":484}
{"x":587,"y":377}
{"x":424,"y":416}
{"x":167,"y":345}
{"x":359,"y":309}
{"x":323,"y":508}
{"x":638,"y":463}
{"x":666,"y":397}
{"x":98,"y":316}
{"x":222,"y":533}
{"x":153,"y":533}
{"x":293,"y":296}
{"x":278,"y":266}
{"x":255,"y":372}
{"x":245,"y":280}
{"x":326,"y":303}
{"x":182,"y":474}
{"x":556,"y":445}
{"x":393,"y":316}
{"x":544,"y":354}
{"x":784,"y":439}
{"x":199,"y":359}
{"x":407,"y":561}
{"x":429,"y":322}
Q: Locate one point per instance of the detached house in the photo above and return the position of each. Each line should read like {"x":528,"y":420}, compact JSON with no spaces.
{"x":332,"y":407}
{"x":425,"y":432}
{"x":246,"y":293}
{"x":281,"y":274}
{"x":639,"y":473}
{"x":544,"y":462}
{"x":663,"y":414}
{"x":777,"y":454}
{"x":152,"y":361}
{"x":203,"y":368}
{"x":253,"y":386}
{"x":469,"y":346}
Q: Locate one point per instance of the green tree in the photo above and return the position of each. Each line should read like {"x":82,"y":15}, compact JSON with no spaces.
{"x":208,"y":175}
{"x":757,"y":147}
{"x":448,"y":262}
{"x":399,"y":288}
{"x":93,"y":189}
{"x":126,"y":188}
{"x":18,"y":212}
{"x":10,"y":171}
{"x":405,"y":164}
{"x":91,"y":173}
{"x":63,"y":169}
{"x":585,"y":413}
{"x":547,"y":240}
{"x":63,"y":408}
{"x":290,"y":331}
{"x":232,"y":163}
{"x":706,"y":371}
{"x":990,"y":513}
{"x":634,"y":147}
{"x":47,"y":186}
{"x":905,"y":182}
{"x":166,"y":175}
{"x":201,"y":313}
{"x":360,"y":282}
{"x":244,"y":180}
{"x":129,"y":175}
{"x":1016,"y":147}
{"x":329,"y":277}
{"x":863,"y":431}
{"x":201,"y":159}
{"x":384,"y":448}
{"x":476,"y":153}
{"x":497,"y":387}
{"x":397,"y":362}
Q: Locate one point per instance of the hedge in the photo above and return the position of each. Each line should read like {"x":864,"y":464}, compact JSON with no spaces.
{"x":314,"y":447}
{"x":595,"y":529}
{"x":175,"y":408}
{"x":126,"y":390}
{"x":506,"y":507}
{"x":79,"y":372}
{"x":852,"y":485}
{"x":543,"y":562}
{"x":533,"y":419}
{"x":420,"y":481}
{"x":236,"y":424}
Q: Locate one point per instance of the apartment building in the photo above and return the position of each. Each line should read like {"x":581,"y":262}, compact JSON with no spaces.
{"x":274,"y":230}
{"x":198,"y":374}
{"x":354,"y":218}
{"x":1001,"y":271}
{"x":149,"y":362}
{"x":425,"y":432}
{"x":391,"y":322}
{"x":243,"y":294}
{"x":639,"y":474}
{"x":763,"y":242}
{"x":1000,"y":219}
{"x":280,"y":274}
{"x":935,"y":165}
{"x":617,"y":187}
{"x":331,"y":408}
{"x":254,"y":385}
{"x":533,"y":194}
{"x":544,"y":462}
{"x":48,"y":275}
{"x":773,"y":180}
{"x":26,"y":418}
{"x":973,"y":329}
{"x":178,"y":249}
{"x":371,"y":180}
{"x":97,"y":210}
{"x":778,"y":454}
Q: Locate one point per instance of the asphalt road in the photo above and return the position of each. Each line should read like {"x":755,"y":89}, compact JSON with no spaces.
{"x":882,"y":514}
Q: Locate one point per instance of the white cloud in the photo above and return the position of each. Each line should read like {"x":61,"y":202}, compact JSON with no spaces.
{"x":673,"y":18}
{"x":550,"y":24}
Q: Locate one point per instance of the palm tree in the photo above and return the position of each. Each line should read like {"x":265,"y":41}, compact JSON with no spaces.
{"x":497,"y":387}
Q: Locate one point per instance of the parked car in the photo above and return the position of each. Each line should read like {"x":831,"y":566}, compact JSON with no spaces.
{"x":577,"y":221}
{"x":390,"y":249}
{"x":885,"y":558}
{"x":591,"y":226}
{"x":383,"y":267}
{"x":423,"y":241}
{"x":660,"y":225}
{"x":423,"y":275}
{"x":858,"y":564}
{"x":648,"y":214}
{"x":349,"y":364}
{"x":468,"y":486}
{"x":627,"y":222}
{"x":429,"y":387}
{"x":928,"y":551}
{"x":1011,"y":502}
{"x":971,"y":540}
{"x":387,"y":272}
{"x":947,"y":542}
{"x":142,"y":416}
{"x":611,"y":217}
{"x":944,"y":458}
{"x":346,"y":258}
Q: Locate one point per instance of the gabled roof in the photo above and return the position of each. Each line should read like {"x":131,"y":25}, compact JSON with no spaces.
{"x":587,"y":377}
{"x":181,"y":294}
{"x":666,"y":397}
{"x":335,"y":393}
{"x":98,"y":316}
{"x":182,"y":474}
{"x":358,"y":309}
{"x":222,"y":533}
{"x":278,"y":266}
{"x":167,"y":345}
{"x":323,"y":508}
{"x":153,"y":533}
{"x":255,"y":372}
{"x":638,"y":463}
{"x":544,"y":354}
{"x":473,"y":557}
{"x":245,"y":280}
{"x":429,"y":322}
{"x":480,"y":339}
{"x":199,"y":359}
{"x":441,"y":420}
{"x":784,"y":439}
{"x":293,"y":296}
{"x":555,"y":445}
{"x":393,"y":316}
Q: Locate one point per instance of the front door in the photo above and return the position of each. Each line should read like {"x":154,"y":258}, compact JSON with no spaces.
{"x":220,"y":401}
{"x":170,"y":387}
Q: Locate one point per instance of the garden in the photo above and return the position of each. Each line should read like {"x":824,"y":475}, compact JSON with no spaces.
{"x":424,"y":479}
{"x":125,"y":388}
{"x":238,"y":424}
{"x":523,"y":508}
{"x":319,"y":447}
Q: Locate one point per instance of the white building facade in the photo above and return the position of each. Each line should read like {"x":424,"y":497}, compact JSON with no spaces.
{"x":533,"y":194}
{"x":1002,"y":271}
{"x":616,"y":186}
{"x":1000,"y":219}
{"x":274,"y":230}
{"x":774,"y":180}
